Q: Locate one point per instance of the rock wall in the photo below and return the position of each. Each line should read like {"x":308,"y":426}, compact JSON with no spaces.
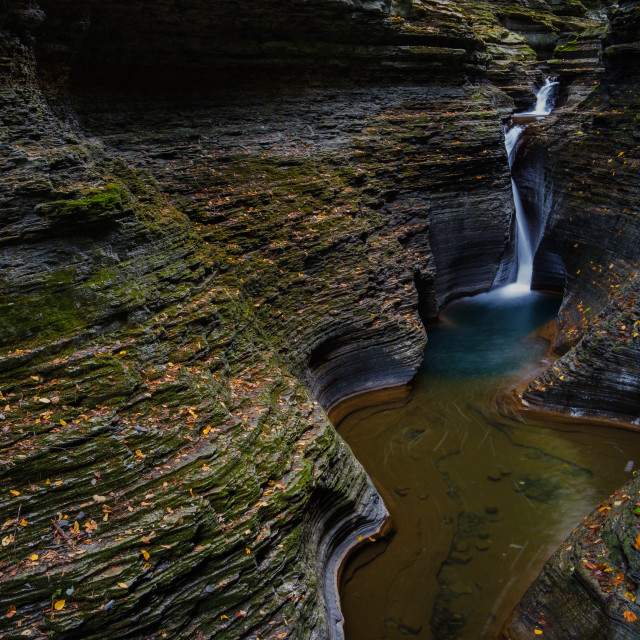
{"x":583,"y":172}
{"x":218,"y":222}
{"x":589,"y":587}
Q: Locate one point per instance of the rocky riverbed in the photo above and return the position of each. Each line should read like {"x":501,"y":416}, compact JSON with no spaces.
{"x":220,"y":222}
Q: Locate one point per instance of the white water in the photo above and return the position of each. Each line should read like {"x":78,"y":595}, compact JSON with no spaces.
{"x":524,"y":248}
{"x":544,"y":102}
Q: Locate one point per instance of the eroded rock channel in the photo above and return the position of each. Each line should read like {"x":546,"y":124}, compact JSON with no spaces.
{"x":220,"y":222}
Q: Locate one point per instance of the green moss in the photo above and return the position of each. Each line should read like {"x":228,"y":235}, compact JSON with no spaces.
{"x":566,"y":48}
{"x":96,"y":205}
{"x":54,"y":313}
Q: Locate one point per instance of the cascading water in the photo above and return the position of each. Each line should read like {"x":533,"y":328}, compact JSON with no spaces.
{"x":524,"y":250}
{"x":544,"y":100}
{"x":478,"y":498}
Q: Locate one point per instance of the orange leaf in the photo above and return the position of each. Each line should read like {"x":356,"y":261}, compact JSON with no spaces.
{"x":637,"y":545}
{"x":145,"y":554}
{"x":12,"y":611}
{"x":59,"y":604}
{"x":629,"y":616}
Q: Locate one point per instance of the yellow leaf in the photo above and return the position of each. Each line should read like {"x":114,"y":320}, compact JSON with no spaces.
{"x":206,"y":430}
{"x":59,"y":604}
{"x":223,"y":617}
{"x":122,"y":353}
{"x":538,"y":632}
{"x":63,"y":423}
{"x":123,"y":585}
{"x":138,"y":453}
{"x":145,"y":554}
{"x":33,"y":557}
{"x":247,"y":551}
{"x":23,"y":522}
{"x":13,"y":492}
{"x":629,"y":616}
{"x":47,"y":481}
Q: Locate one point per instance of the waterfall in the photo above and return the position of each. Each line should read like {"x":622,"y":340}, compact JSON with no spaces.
{"x":524,"y":249}
{"x":544,"y":101}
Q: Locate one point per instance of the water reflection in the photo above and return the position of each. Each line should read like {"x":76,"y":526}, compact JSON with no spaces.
{"x":479,"y":500}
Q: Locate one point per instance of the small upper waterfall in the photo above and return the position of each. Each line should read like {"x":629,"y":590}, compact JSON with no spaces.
{"x":524,"y":249}
{"x":544,"y":100}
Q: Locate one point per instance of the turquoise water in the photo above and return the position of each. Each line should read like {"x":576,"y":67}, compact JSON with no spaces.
{"x":487,"y":335}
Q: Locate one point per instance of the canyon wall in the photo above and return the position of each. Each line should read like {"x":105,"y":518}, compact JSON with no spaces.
{"x":589,"y":172}
{"x":219,"y":222}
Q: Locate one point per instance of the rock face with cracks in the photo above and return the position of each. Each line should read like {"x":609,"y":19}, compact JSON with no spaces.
{"x":220,"y":221}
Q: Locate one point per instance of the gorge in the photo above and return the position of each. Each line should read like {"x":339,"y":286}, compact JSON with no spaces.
{"x":221,"y":222}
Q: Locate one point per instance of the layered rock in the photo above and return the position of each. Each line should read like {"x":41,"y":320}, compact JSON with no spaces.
{"x":581,"y":173}
{"x":589,"y":245}
{"x":217,"y":221}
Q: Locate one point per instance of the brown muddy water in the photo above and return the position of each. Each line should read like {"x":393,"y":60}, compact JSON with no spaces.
{"x":479,"y":497}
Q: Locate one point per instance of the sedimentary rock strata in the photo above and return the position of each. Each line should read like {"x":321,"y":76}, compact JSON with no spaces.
{"x":218,"y":222}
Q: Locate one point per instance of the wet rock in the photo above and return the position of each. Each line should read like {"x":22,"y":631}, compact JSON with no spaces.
{"x":196,"y":275}
{"x":457,"y":557}
{"x":461,"y":589}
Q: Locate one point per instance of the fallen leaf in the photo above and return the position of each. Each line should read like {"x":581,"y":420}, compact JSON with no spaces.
{"x":59,"y":604}
{"x":629,"y":616}
{"x":13,"y":492}
{"x":123,"y":585}
{"x":145,"y":554}
{"x":538,"y":632}
{"x":12,"y":611}
{"x":33,"y":557}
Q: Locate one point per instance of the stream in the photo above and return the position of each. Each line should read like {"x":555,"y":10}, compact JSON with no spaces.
{"x":479,"y":496}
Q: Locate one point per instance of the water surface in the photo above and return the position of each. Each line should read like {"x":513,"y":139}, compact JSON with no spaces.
{"x":479,"y":500}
